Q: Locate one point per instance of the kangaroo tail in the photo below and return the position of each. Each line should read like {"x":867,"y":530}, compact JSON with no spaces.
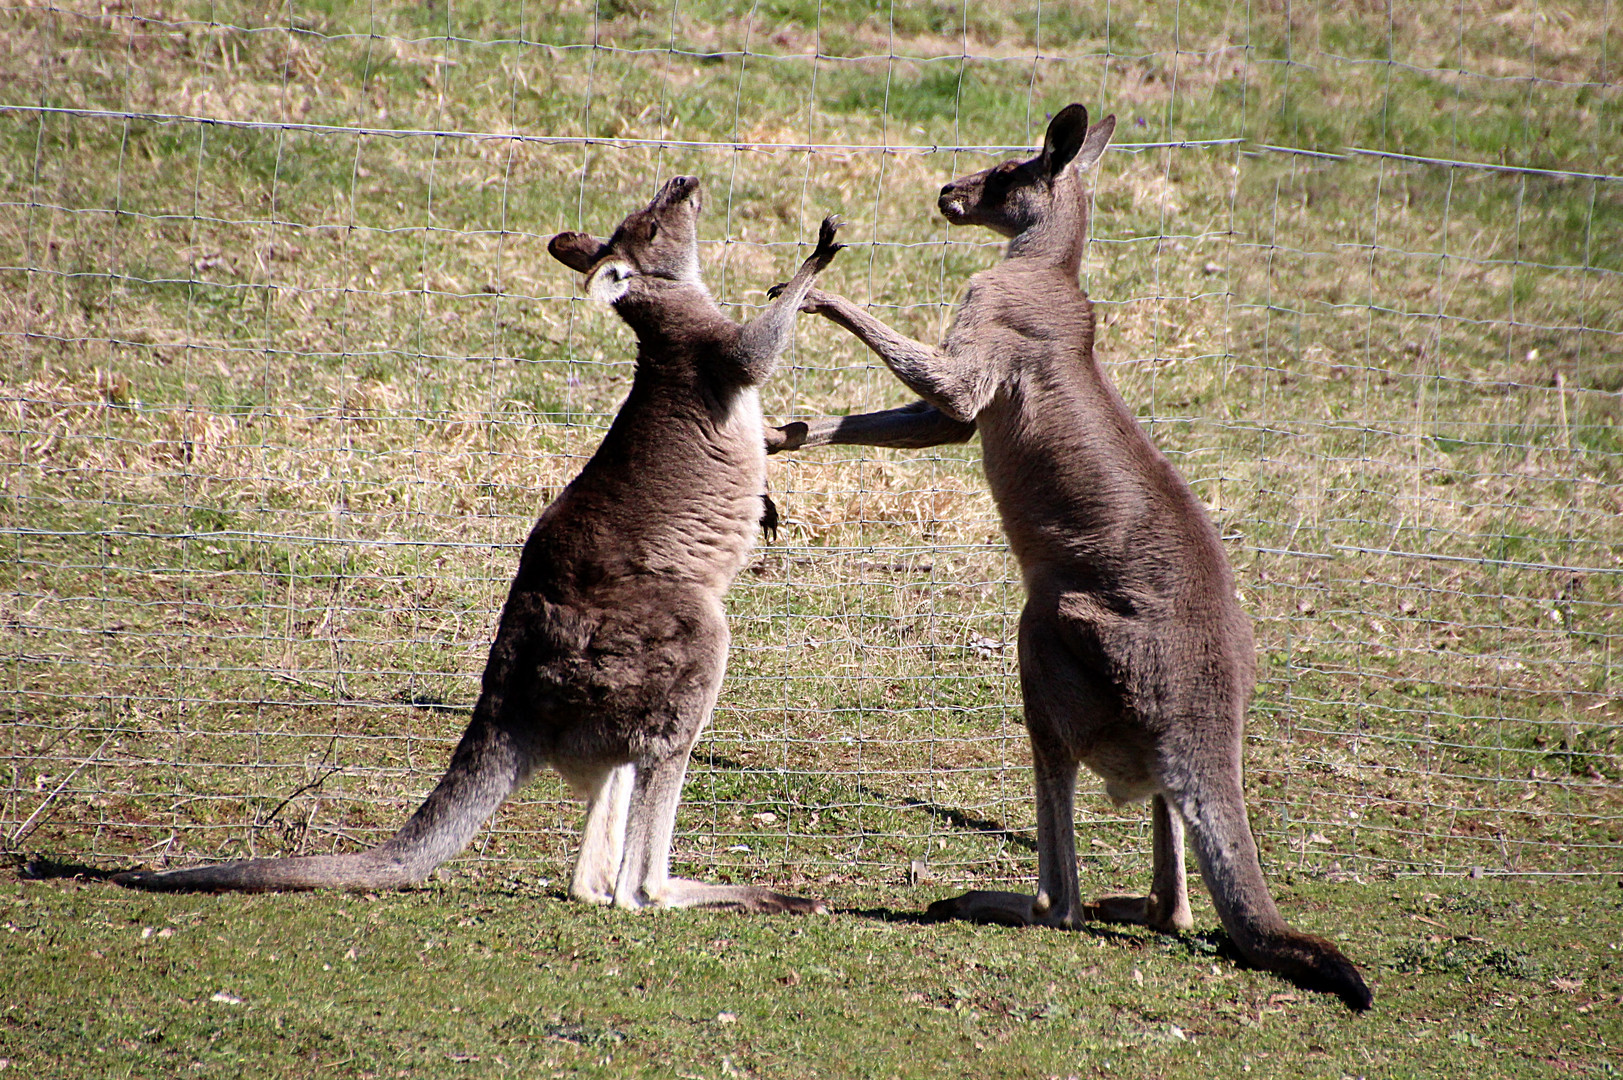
{"x":1229,"y":863}
{"x":487,"y":766}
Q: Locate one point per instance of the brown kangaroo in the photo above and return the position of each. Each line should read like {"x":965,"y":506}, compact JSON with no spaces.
{"x":1135,"y":658}
{"x":611,"y":647}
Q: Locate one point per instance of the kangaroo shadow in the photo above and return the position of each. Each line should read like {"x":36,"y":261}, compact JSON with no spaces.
{"x":49,"y":868}
{"x":1203,"y":945}
{"x":947,"y":815}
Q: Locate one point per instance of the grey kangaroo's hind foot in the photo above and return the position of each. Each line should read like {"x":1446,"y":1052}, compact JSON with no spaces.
{"x":1135,"y":658}
{"x":1166,"y":908}
{"x":611,"y":648}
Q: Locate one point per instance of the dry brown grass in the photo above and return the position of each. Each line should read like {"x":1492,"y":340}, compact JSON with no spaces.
{"x":272,"y":429}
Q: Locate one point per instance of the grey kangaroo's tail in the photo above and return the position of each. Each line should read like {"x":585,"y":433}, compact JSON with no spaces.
{"x":486,"y":767}
{"x":1229,"y":863}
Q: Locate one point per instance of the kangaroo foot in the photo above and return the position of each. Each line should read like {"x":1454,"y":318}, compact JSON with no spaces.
{"x":682,"y":893}
{"x":1141,"y":911}
{"x":767,"y":902}
{"x":1002,"y":908}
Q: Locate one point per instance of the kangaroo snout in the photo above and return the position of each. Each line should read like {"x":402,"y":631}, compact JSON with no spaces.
{"x":679,"y":189}
{"x":952,"y":204}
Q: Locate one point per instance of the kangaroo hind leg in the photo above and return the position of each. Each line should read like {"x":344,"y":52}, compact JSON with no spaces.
{"x":644,"y":879}
{"x":1058,"y":900}
{"x":1166,"y":908}
{"x":608,"y":798}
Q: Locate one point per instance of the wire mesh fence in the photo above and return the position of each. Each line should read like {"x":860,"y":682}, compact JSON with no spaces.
{"x":286,"y":373}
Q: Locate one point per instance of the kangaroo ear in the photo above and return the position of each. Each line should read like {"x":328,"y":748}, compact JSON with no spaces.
{"x":577,"y":250}
{"x":1065,"y":134}
{"x":1094,"y":145}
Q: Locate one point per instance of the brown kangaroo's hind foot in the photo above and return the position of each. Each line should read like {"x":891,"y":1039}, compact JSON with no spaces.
{"x":1136,"y":660}
{"x":609,"y":654}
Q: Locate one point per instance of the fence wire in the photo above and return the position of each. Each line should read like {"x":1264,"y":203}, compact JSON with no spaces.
{"x":286,"y":374}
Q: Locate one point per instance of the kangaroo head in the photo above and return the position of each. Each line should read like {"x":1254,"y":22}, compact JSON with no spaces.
{"x":660,"y":241}
{"x":1017,"y":195}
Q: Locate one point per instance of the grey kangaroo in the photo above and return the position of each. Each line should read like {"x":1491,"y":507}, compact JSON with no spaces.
{"x":612,"y":644}
{"x":1135,"y":658}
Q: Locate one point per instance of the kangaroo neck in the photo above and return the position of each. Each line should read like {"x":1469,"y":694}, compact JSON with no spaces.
{"x":1058,"y":237}
{"x":665,"y":311}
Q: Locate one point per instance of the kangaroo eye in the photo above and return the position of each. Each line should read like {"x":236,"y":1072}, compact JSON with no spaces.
{"x":653,"y":229}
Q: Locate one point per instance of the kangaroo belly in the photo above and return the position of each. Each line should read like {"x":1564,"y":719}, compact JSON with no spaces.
{"x":610,"y":682}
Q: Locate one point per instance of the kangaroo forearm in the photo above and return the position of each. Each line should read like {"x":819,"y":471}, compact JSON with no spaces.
{"x":910,"y":427}
{"x":764,"y":337}
{"x":924,"y":369}
{"x":891,"y":347}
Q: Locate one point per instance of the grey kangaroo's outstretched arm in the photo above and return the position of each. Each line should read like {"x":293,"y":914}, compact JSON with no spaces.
{"x":945,"y":381}
{"x":765,"y":336}
{"x":910,"y":427}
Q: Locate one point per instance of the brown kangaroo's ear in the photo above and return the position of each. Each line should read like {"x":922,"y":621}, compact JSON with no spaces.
{"x":1094,"y":145}
{"x":1065,"y":134}
{"x":577,"y":250}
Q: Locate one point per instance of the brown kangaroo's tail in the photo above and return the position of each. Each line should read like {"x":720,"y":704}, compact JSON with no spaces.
{"x":1228,"y":862}
{"x":486,"y":767}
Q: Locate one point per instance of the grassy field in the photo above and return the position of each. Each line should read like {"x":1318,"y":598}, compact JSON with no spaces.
{"x":496,"y":978}
{"x":286,"y":372}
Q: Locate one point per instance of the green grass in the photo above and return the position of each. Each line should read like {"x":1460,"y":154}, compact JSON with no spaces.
{"x":278,"y":404}
{"x":483,"y":976}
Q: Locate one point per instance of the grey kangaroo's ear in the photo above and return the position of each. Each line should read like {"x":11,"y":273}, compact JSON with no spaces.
{"x":1065,"y":134}
{"x":1094,"y":145}
{"x":577,"y":250}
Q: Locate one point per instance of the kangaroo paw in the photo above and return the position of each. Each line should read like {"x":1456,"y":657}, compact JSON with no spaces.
{"x":751,"y":899}
{"x":772,"y":903}
{"x":826,"y":247}
{"x":815,"y":300}
{"x":791,"y":436}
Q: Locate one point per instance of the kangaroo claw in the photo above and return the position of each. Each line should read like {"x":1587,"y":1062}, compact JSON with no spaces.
{"x":825,"y":236}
